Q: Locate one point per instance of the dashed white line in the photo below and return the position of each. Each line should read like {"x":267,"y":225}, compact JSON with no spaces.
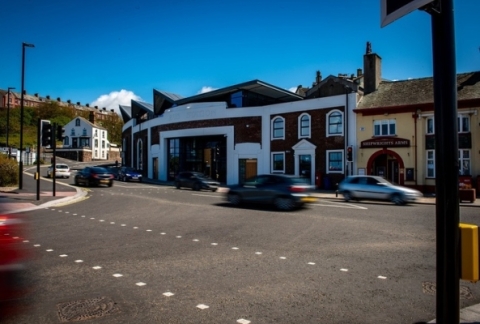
{"x":117,"y":275}
{"x":344,"y":270}
{"x":283,"y":258}
{"x":63,"y":255}
{"x":234,"y":248}
{"x":381,"y":277}
{"x":96,"y":267}
{"x":243,"y":321}
{"x":311,"y":263}
{"x":168,"y":294}
{"x":258,"y":253}
{"x":78,"y":261}
{"x":49,"y":250}
{"x":202,"y":306}
{"x":140,"y":284}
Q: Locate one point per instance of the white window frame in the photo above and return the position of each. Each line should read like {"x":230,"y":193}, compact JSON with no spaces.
{"x":382,"y":122}
{"x":327,"y":121}
{"x":460,"y":119}
{"x":272,"y":123}
{"x":432,"y":121}
{"x":308,"y":127}
{"x":272,"y":165}
{"x":462,"y":160}
{"x":430,"y":160}
{"x":342,"y":168}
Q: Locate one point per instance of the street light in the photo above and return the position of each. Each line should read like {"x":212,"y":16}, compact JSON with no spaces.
{"x":20,"y":164}
{"x":8,"y":116}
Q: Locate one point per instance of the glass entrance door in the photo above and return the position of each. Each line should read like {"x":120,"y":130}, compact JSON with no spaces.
{"x":305,"y":166}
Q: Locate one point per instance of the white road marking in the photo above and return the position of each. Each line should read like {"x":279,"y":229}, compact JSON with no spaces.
{"x":26,"y":241}
{"x":214,"y":243}
{"x":243,"y":321}
{"x":195,"y":240}
{"x":135,"y":227}
{"x":381,"y":277}
{"x":234,"y":248}
{"x":36,"y":245}
{"x":78,"y":261}
{"x":311,"y":263}
{"x":124,"y":224}
{"x":344,"y":270}
{"x":96,"y":267}
{"x":283,"y":258}
{"x":140,"y":284}
{"x":202,"y":306}
{"x":258,"y":253}
{"x":112,"y":222}
{"x":117,"y":275}
{"x":149,"y":230}
{"x":101,"y":220}
{"x":179,"y":236}
{"x":163,"y":233}
{"x":49,"y":250}
{"x":339,"y":205}
{"x":168,"y":294}
{"x":63,"y":255}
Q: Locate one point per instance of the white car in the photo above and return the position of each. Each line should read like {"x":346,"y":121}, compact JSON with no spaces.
{"x":61,"y":171}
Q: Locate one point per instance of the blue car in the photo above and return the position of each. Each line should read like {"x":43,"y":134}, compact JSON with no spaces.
{"x":129,"y":174}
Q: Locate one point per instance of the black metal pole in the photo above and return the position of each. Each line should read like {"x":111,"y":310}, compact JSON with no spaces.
{"x":20,"y":164}
{"x":8,"y":117}
{"x":39,"y":144}
{"x":446,"y":164}
{"x":54,"y":162}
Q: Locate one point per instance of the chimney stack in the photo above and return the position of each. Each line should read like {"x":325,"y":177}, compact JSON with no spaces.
{"x":318,"y":77}
{"x":78,"y":103}
{"x":91,"y":117}
{"x":372,"y":67}
{"x":58,"y":99}
{"x":36,"y":95}
{"x":48,"y":97}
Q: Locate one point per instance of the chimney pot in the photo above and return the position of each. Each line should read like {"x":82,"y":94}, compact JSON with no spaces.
{"x":78,"y":103}
{"x":112,"y":110}
{"x":36,"y":95}
{"x":68,"y":101}
{"x":88,"y":105}
{"x":48,"y":97}
{"x":104,"y":108}
{"x":58,"y":99}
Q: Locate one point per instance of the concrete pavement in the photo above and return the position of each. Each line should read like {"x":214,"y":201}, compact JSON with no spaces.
{"x":14,"y":200}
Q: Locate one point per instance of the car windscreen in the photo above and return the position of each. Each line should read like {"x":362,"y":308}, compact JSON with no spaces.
{"x":130,"y":170}
{"x":99,"y":170}
{"x":62,"y":166}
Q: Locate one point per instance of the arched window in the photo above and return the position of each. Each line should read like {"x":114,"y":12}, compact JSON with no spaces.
{"x":335,"y":123}
{"x":304,"y":126}
{"x":278,"y":128}
{"x":77,"y":122}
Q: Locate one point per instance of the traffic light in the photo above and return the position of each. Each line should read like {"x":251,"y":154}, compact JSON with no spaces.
{"x":349,"y":154}
{"x":60,"y":133}
{"x":46,"y":133}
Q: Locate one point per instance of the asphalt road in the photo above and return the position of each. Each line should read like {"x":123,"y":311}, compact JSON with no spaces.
{"x":141,"y":253}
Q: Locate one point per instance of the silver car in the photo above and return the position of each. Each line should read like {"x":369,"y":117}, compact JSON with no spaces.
{"x":376,"y":188}
{"x":62,"y":170}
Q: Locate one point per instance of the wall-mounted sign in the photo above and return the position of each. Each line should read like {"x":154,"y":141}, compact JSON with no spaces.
{"x":385,"y":142}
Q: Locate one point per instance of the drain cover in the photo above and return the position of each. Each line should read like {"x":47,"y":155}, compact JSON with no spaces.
{"x":430,"y":288}
{"x":85,"y":309}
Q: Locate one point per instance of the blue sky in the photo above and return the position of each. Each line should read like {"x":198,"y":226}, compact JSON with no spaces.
{"x":105,"y":52}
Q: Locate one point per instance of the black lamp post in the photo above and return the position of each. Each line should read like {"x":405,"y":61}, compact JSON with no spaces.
{"x":20,"y":164}
{"x":8,"y":117}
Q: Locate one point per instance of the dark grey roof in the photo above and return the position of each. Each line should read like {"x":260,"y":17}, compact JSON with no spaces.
{"x":255,"y":86}
{"x":418,"y":91}
{"x":140,"y":108}
{"x":126,"y":112}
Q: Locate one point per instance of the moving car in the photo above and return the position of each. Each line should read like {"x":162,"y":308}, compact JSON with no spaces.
{"x":94,"y":176}
{"x":285,"y":192}
{"x":376,"y":188}
{"x":14,"y":259}
{"x":62,"y":170}
{"x":129,"y":174}
{"x":195,"y":181}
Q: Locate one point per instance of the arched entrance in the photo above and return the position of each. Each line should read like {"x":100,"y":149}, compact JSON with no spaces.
{"x":387,"y":164}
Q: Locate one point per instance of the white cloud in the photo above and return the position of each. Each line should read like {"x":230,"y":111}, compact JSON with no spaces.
{"x":115,"y":98}
{"x":206,"y":89}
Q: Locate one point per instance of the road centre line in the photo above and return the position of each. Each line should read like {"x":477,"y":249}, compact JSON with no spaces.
{"x":340,"y":206}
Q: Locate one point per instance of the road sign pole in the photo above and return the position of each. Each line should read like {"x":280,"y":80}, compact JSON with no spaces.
{"x":39,"y":144}
{"x":446,"y":164}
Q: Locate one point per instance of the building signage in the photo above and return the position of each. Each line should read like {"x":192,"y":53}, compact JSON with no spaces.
{"x":385,"y":142}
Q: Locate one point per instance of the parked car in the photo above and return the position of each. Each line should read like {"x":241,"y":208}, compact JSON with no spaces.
{"x":195,"y":181}
{"x":94,"y":176}
{"x":376,"y":188}
{"x":129,"y":174}
{"x":284,"y":192}
{"x":62,"y":170}
{"x":14,"y":260}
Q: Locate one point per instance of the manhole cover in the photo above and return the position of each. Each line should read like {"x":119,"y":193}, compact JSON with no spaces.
{"x":430,"y":288}
{"x":85,"y":309}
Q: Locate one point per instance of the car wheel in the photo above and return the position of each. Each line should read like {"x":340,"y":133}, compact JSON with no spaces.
{"x":88,"y":183}
{"x":234,"y":199}
{"x":347,"y":196}
{"x":76,"y":182}
{"x":196,"y":187}
{"x":397,"y":199}
{"x":284,"y":203}
{"x":177,"y":185}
